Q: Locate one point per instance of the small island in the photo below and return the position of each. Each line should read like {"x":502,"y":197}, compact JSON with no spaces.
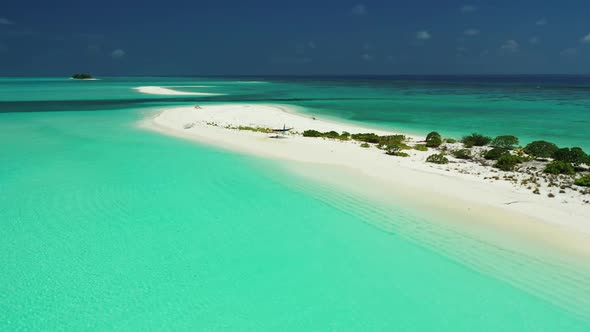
{"x":82,"y":76}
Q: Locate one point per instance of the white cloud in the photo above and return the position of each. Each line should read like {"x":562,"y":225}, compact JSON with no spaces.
{"x":468,"y":9}
{"x":118,"y":53}
{"x":423,"y":35}
{"x":367,"y":57}
{"x":510,"y":46}
{"x":541,"y":22}
{"x":4,"y":20}
{"x":471,"y":32}
{"x":534,"y":40}
{"x":359,"y":9}
{"x":585,"y":39}
{"x":569,"y":52}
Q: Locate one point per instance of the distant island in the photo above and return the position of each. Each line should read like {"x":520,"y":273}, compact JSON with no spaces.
{"x":82,"y":76}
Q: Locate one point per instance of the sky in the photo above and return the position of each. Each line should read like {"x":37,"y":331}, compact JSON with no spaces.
{"x":305,"y":37}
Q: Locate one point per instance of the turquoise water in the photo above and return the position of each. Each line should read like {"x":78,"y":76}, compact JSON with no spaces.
{"x":109,"y":227}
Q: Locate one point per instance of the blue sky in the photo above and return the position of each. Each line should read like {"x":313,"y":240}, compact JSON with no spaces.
{"x":226,"y":37}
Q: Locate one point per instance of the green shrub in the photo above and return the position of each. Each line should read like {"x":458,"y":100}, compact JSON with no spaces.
{"x":574,"y":155}
{"x":450,"y":140}
{"x":437,"y":159}
{"x":541,"y":149}
{"x":395,"y":151}
{"x":81,"y":76}
{"x":421,"y":147}
{"x":584,"y":181}
{"x":255,"y":129}
{"x":393,"y":147}
{"x":312,"y":133}
{"x":433,"y":140}
{"x":365,"y":145}
{"x":366,"y":137}
{"x":508,"y":142}
{"x":397,"y":141}
{"x":559,"y":167}
{"x":476,"y":140}
{"x":331,"y":134}
{"x":495,"y":153}
{"x":507,"y":162}
{"x":462,"y":154}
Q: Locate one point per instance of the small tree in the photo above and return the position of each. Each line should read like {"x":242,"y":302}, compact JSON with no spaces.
{"x":476,"y":140}
{"x":541,"y":149}
{"x":433,"y":140}
{"x":508,"y":142}
{"x":575,"y":156}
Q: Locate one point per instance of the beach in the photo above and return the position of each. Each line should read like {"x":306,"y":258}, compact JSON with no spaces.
{"x":157,"y":90}
{"x":457,"y":188}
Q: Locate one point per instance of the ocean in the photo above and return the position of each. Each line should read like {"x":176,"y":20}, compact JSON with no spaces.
{"x":106,"y":226}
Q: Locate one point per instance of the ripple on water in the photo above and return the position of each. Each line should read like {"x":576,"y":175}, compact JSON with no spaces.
{"x":557,"y":281}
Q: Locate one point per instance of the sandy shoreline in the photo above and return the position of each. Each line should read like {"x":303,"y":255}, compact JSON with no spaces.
{"x":457,"y":188}
{"x":157,"y":90}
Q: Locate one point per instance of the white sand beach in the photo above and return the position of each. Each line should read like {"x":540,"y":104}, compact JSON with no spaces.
{"x":158,"y":90}
{"x":458,"y":188}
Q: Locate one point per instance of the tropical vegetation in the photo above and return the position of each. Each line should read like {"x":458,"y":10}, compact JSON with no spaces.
{"x":437,"y":159}
{"x":433,"y":140}
{"x":81,"y":76}
{"x":476,"y":140}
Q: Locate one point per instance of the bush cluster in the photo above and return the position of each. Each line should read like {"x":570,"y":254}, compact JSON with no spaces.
{"x":575,"y":156}
{"x":476,"y":140}
{"x":462,"y":154}
{"x":394,"y":147}
{"x":559,"y":167}
{"x":328,"y":134}
{"x":81,"y":76}
{"x":508,"y":162}
{"x":495,"y":153}
{"x":366,"y":137}
{"x":437,"y":159}
{"x":421,"y":147}
{"x":584,"y":181}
